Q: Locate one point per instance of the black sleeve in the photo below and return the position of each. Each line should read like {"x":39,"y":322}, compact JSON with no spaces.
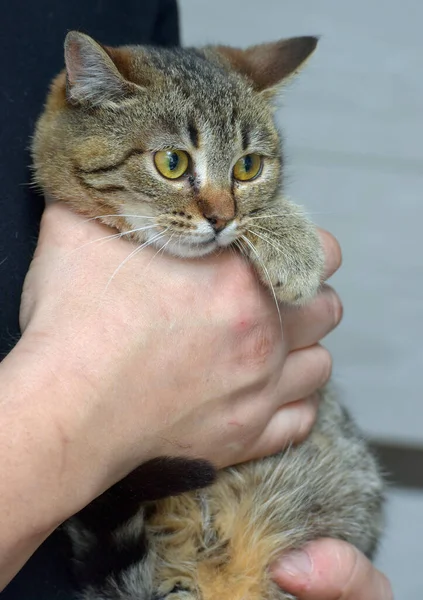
{"x":31,"y":53}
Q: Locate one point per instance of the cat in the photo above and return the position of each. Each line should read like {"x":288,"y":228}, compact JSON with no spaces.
{"x":178,"y":148}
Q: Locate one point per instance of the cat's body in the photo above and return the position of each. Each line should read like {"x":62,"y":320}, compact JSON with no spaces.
{"x":178,"y":148}
{"x":220,"y":541}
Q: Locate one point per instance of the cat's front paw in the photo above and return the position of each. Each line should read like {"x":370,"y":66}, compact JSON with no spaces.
{"x":290,"y":260}
{"x":299,"y":283}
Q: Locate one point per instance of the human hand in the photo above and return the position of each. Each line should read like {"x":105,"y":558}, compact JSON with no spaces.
{"x":172,"y":356}
{"x":331,"y":570}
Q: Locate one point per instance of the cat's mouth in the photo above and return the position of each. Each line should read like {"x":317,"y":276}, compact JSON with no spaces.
{"x":192,"y":245}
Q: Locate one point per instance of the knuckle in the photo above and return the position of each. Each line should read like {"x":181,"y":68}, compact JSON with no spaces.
{"x":332,"y":251}
{"x":334,"y":305}
{"x":359,"y":571}
{"x":386,"y":588}
{"x":324,"y":365}
{"x":245,"y":425}
{"x":259,"y":345}
{"x":348,"y":558}
{"x":239,"y":302}
{"x":306,"y":417}
{"x":243,"y":300}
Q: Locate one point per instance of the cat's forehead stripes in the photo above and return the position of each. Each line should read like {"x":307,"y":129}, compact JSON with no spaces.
{"x":245,"y":134}
{"x":217,"y":102}
{"x":193,"y":133}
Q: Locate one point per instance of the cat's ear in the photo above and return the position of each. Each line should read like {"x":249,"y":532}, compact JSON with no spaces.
{"x":268,"y":66}
{"x":92,"y":76}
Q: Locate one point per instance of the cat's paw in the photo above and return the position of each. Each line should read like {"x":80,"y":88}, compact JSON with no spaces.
{"x":287,"y":254}
{"x":296,"y":273}
{"x":298,"y":286}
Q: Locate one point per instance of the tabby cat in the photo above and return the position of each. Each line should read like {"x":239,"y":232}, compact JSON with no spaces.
{"x":178,"y":148}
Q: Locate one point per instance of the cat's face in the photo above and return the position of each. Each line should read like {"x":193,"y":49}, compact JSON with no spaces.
{"x":178,"y":147}
{"x":187,"y":167}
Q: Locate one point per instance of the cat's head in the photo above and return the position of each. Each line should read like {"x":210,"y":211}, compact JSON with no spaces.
{"x":178,"y":146}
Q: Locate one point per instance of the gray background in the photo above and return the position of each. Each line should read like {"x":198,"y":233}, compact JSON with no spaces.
{"x":353,"y":128}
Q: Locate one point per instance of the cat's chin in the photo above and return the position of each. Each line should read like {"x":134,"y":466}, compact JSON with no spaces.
{"x":186,"y":250}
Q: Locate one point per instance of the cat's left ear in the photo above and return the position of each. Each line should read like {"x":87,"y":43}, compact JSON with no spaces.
{"x":268,"y":66}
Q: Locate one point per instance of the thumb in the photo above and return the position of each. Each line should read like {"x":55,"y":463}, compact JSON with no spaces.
{"x":330,"y":570}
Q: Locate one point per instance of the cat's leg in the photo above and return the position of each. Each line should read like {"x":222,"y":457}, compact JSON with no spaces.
{"x":111,"y":551}
{"x":284,"y":246}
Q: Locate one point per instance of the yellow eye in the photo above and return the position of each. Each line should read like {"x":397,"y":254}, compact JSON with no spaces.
{"x":248,"y":167}
{"x":171,"y":163}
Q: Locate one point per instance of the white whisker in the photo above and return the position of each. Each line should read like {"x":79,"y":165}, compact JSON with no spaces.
{"x":264,"y":217}
{"x":244,"y":255}
{"x":282,"y":215}
{"x":160,"y":250}
{"x":117,"y":215}
{"x":113,"y":236}
{"x":265,"y":239}
{"x":252,"y":247}
{"x":262,"y":228}
{"x":238,"y":244}
{"x":137,"y":249}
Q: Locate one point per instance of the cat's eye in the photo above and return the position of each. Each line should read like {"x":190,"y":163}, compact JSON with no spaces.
{"x":172,"y":164}
{"x":248,"y":167}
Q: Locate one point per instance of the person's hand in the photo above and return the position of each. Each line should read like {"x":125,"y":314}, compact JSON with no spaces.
{"x":331,"y":570}
{"x":168,"y":356}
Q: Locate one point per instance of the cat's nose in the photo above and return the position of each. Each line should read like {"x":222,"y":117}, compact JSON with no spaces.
{"x":217,"y":206}
{"x":217,"y":223}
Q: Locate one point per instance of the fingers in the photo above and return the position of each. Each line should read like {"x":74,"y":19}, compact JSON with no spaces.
{"x":307,"y":325}
{"x":290,"y":424}
{"x":304,"y":372}
{"x":295,"y":402}
{"x":332,"y":252}
{"x":330,"y":570}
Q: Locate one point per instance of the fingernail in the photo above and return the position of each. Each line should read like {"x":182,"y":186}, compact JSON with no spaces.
{"x":294,"y":564}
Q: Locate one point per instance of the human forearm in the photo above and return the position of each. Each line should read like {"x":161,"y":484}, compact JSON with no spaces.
{"x":42,"y":475}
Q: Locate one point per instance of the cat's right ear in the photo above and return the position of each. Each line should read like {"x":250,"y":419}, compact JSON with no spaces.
{"x":92,"y":78}
{"x":269,"y":66}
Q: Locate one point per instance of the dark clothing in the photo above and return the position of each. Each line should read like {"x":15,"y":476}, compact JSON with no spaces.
{"x":31,"y":53}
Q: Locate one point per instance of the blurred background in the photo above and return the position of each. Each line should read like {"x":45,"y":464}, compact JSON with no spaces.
{"x":353,"y":128}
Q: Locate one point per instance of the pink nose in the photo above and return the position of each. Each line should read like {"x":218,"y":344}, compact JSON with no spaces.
{"x":217,"y":223}
{"x":217,"y":206}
